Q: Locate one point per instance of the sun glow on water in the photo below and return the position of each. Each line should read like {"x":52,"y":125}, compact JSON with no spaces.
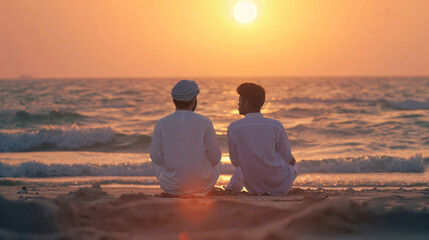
{"x":245,"y":12}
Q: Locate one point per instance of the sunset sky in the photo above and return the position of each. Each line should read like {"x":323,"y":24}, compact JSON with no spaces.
{"x":172,"y":38}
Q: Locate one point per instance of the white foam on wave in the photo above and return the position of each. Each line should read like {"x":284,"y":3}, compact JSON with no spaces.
{"x":60,"y":137}
{"x":364,"y":164}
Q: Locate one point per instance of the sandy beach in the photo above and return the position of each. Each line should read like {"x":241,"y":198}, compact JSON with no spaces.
{"x":104,"y":102}
{"x":115,"y":212}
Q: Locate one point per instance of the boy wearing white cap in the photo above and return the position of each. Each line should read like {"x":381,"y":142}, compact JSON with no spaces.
{"x":184,"y":150}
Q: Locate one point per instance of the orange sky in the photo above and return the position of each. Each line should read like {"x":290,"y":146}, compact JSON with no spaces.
{"x":148,"y":38}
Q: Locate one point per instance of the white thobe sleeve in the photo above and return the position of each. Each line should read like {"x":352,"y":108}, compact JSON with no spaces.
{"x":283,"y":145}
{"x":211,"y":144}
{"x":156,"y":147}
{"x":232,"y":149}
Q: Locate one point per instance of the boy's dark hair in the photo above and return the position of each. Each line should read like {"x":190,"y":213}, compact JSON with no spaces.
{"x":180,"y":104}
{"x":253,"y":93}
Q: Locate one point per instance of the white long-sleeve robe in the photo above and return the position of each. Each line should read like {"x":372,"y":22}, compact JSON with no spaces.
{"x":185,"y":153}
{"x":260,"y":149}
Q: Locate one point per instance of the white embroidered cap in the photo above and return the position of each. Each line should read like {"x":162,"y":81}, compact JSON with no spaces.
{"x":185,"y":90}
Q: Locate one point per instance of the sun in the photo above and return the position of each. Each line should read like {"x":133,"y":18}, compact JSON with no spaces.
{"x":245,"y":12}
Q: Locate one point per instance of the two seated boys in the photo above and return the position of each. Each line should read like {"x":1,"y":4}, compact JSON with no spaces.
{"x":186,"y":154}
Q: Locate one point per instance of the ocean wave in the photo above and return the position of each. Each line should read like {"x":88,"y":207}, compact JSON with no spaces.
{"x":53,"y":138}
{"x":22,"y":119}
{"x":320,"y":100}
{"x":407,"y":104}
{"x":34,"y":169}
{"x":50,"y":116}
{"x":364,"y":164}
{"x":314,"y":182}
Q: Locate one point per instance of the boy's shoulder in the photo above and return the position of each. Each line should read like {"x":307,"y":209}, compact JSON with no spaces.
{"x":237,"y":123}
{"x":173,"y":115}
{"x":200,"y":116}
{"x":261,"y":121}
{"x":273,"y":121}
{"x":165,"y":118}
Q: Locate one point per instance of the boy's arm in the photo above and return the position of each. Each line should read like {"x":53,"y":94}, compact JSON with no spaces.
{"x":283,"y":146}
{"x":232,"y":149}
{"x":156,"y":147}
{"x":213,"y":151}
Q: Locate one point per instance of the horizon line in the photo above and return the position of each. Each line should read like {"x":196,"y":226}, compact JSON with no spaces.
{"x":30,"y":77}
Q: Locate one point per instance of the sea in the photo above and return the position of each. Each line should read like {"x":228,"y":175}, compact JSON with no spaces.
{"x":345,"y":132}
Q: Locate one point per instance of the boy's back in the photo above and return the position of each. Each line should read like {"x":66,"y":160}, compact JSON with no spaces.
{"x":260,"y":147}
{"x":184,"y":149}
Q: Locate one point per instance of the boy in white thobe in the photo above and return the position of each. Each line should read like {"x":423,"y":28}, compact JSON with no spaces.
{"x":259,"y":148}
{"x":184,"y":150}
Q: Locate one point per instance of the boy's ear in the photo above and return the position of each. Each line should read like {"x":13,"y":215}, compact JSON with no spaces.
{"x":246,"y":103}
